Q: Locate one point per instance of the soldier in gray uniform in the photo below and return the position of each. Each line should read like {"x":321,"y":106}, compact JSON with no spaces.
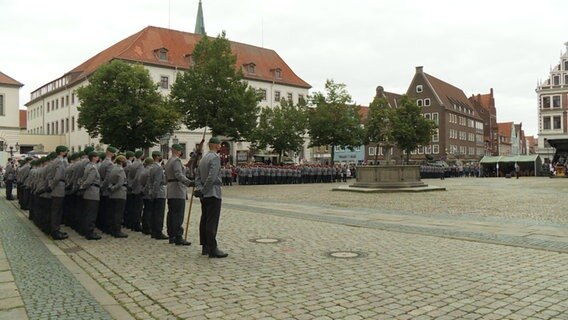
{"x":89,"y":191}
{"x":128,"y":221}
{"x":208,"y":189}
{"x":157,"y":185}
{"x":23,"y":173}
{"x":142,"y":179}
{"x":104,"y":170}
{"x":56,"y":186}
{"x":116,"y":186}
{"x":134,"y":208}
{"x":177,"y":194}
{"x":45,"y":196}
{"x":9,"y":177}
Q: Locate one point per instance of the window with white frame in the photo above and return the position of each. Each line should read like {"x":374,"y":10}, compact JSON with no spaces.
{"x":420,"y":150}
{"x":427,"y":102}
{"x":428,"y":150}
{"x":427,"y":116}
{"x":300,"y":98}
{"x":556,"y":101}
{"x":436,"y":135}
{"x":546,"y":123}
{"x":545,"y":102}
{"x":472,"y":151}
{"x":262,"y":94}
{"x":277,"y":96}
{"x":435,"y":118}
{"x":435,"y":149}
{"x":419,"y":102}
{"x":372,"y":151}
{"x":290,"y":96}
{"x":164,"y":82}
{"x":557,"y":122}
{"x":419,"y":88}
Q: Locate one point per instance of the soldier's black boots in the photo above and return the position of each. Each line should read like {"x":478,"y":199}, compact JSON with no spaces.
{"x":216,"y":253}
{"x":58,"y":235}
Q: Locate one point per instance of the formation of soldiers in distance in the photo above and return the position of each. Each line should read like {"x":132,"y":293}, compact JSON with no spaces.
{"x":270,"y":174}
{"x":106,"y":190}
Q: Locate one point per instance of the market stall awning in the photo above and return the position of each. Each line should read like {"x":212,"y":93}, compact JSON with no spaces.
{"x":509,"y":159}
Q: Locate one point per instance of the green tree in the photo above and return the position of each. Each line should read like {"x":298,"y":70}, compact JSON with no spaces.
{"x":335,"y":120}
{"x":282,"y":127}
{"x":379,"y":126}
{"x":212,"y":94}
{"x":411,"y":129}
{"x":123,"y":106}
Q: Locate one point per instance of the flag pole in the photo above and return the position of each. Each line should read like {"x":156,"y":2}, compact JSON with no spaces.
{"x":193,"y":162}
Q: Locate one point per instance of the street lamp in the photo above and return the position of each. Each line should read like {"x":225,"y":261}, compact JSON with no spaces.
{"x":12,"y":148}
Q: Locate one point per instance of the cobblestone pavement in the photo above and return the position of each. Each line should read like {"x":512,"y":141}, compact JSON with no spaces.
{"x":404,"y":268}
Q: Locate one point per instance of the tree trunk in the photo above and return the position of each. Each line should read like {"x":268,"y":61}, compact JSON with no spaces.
{"x":332,"y":154}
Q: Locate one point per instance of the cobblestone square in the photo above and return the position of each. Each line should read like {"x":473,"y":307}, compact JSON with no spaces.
{"x":466,"y":253}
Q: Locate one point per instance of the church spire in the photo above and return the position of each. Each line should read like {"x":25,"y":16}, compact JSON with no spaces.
{"x":199,"y":23}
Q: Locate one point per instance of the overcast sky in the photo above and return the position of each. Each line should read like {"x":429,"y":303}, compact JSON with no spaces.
{"x":473,"y":45}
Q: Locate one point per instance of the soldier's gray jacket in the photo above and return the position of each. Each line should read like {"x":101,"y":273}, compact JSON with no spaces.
{"x":177,"y":181}
{"x":143,"y":180}
{"x":104,"y":170}
{"x":117,"y":183}
{"x":134,"y":175}
{"x":29,"y":178}
{"x":42,"y":184}
{"x":78,"y":173}
{"x":23,"y":173}
{"x":10,"y":172}
{"x":69,"y":172}
{"x":91,"y":182}
{"x":157,"y":182}
{"x":56,"y":177}
{"x":207,"y":177}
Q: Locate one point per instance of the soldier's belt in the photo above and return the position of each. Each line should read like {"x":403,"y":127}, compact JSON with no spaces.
{"x":173,"y":180}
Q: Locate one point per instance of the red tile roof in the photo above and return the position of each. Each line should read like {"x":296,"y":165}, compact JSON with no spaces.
{"x":23,"y":119}
{"x":505,"y":129}
{"x":449,"y":94}
{"x":363,"y":113}
{"x":5,"y":79}
{"x":142,"y":46}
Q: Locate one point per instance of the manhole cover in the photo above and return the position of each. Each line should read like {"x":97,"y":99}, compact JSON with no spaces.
{"x":266,"y":240}
{"x":345,"y":254}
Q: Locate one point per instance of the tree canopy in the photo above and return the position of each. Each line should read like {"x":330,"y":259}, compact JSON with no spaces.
{"x":211,"y":92}
{"x":123,"y":106}
{"x":411,"y":129}
{"x":379,"y":127}
{"x":282,"y":127}
{"x":335,"y":119}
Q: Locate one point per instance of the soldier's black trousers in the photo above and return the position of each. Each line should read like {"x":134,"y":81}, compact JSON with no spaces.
{"x":176,"y":208}
{"x":9,"y":186}
{"x":116,"y":214}
{"x":158,"y":211}
{"x":88,"y":217}
{"x":210,"y":213}
{"x":55,"y":213}
{"x":147,"y":216}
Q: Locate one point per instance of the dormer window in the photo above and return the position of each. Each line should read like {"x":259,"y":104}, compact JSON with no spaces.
{"x":277,"y":73}
{"x":189,"y":58}
{"x":161,"y":54}
{"x":250,"y":68}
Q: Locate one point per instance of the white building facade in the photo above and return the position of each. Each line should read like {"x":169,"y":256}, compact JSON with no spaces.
{"x":52,"y":109}
{"x":552,"y":95}
{"x":9,"y":116}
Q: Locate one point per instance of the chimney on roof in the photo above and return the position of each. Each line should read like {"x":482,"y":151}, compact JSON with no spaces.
{"x":199,"y":22}
{"x":419,"y":69}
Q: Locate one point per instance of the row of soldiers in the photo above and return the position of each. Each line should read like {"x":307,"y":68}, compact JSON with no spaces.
{"x":269,"y":174}
{"x":107,"y":190}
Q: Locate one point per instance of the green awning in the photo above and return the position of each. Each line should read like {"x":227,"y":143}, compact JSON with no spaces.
{"x":509,"y":159}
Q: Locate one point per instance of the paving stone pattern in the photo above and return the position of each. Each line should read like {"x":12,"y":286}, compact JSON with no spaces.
{"x":48,"y":289}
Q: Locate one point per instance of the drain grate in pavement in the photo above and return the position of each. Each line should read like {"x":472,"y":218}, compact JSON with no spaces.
{"x":345,"y":254}
{"x":266,"y":240}
{"x":73,"y":249}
